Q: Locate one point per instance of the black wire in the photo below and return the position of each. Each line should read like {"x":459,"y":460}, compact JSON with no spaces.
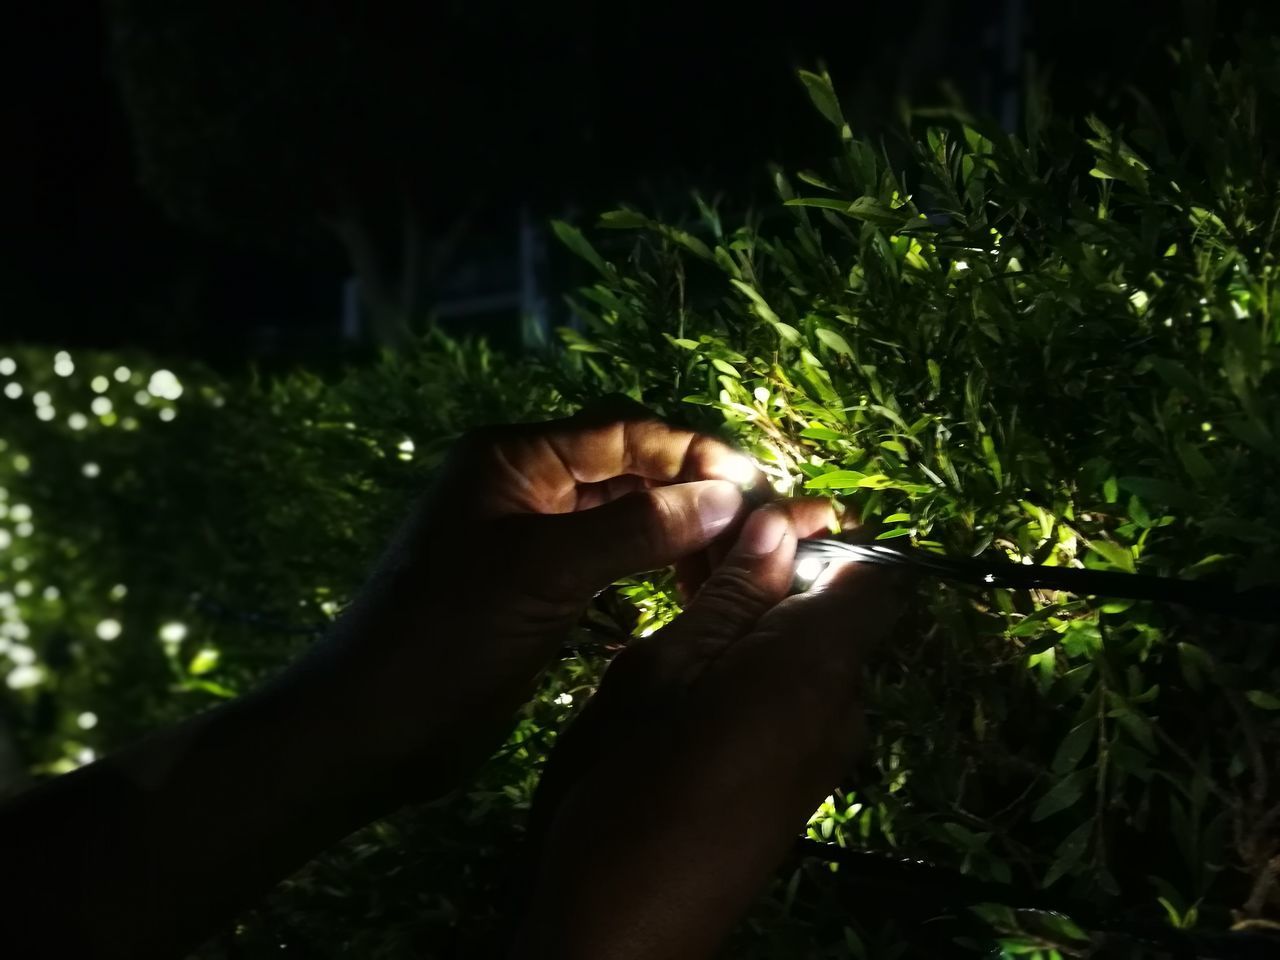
{"x":1260,"y":604}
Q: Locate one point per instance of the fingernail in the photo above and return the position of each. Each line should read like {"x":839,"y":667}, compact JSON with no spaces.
{"x":718,"y":503}
{"x":763,"y":532}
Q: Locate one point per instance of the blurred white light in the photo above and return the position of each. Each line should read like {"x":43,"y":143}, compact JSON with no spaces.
{"x":173,"y":632}
{"x":85,"y":755}
{"x":101,"y":406}
{"x":25,"y":676}
{"x":808,"y":570}
{"x":87,"y":720}
{"x":142,"y":398}
{"x":41,"y":398}
{"x":7,"y":366}
{"x":20,"y":564}
{"x":45,"y":413}
{"x":99,"y":384}
{"x":20,"y":512}
{"x":118,"y":592}
{"x":6,"y":539}
{"x":167,"y":414}
{"x":77,"y":421}
{"x":62,"y":357}
{"x":122,"y":374}
{"x":51,"y":593}
{"x":740,"y":470}
{"x":962,"y":266}
{"x":13,"y":390}
{"x":23,"y":588}
{"x":91,"y":470}
{"x":108,"y":629}
{"x":23,"y":656}
{"x":6,"y":599}
{"x":406,"y":446}
{"x":164,"y":384}
{"x":564,"y":699}
{"x":22,"y":530}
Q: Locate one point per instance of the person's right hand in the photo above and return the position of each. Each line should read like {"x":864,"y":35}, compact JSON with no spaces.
{"x":686,"y":778}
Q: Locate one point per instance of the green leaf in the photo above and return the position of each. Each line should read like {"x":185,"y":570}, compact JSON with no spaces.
{"x":762,"y":308}
{"x":825,"y":203}
{"x":725,"y":368}
{"x":204,"y":661}
{"x":1074,"y":746}
{"x":624,"y":220}
{"x":1061,"y":796}
{"x":1262,"y":699}
{"x":833,"y":340}
{"x":837,"y":480}
{"x":819,"y":433}
{"x":894,"y":534}
{"x":1197,"y":467}
{"x":823,"y":96}
{"x":1114,"y":554}
{"x":1070,"y":852}
{"x":572,"y":238}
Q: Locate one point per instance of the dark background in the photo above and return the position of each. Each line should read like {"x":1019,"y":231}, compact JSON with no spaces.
{"x":147,"y":206}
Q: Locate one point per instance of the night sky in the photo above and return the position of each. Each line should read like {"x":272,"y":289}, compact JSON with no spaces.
{"x":562,"y":112}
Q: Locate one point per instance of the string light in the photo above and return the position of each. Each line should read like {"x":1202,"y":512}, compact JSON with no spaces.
{"x":108,"y":629}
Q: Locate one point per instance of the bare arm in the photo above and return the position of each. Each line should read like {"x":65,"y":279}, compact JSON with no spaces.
{"x":143,"y":853}
{"x":685,"y":781}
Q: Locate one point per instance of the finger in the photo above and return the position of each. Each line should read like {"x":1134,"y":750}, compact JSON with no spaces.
{"x":576,"y":554}
{"x":754,"y":576}
{"x":650,"y":449}
{"x":849,"y":611}
{"x":809,"y":517}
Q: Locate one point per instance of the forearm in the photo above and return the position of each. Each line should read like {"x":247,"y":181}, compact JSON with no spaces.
{"x":144,"y":853}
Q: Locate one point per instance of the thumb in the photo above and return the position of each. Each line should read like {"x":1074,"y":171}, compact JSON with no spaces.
{"x":754,"y":576}
{"x":582,"y":552}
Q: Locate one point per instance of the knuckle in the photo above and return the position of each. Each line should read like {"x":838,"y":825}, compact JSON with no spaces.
{"x":734,"y":591}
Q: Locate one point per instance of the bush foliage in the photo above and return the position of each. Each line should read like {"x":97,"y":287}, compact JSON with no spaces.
{"x":1055,"y":348}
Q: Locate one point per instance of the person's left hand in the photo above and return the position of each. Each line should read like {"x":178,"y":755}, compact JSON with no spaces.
{"x":525,"y":525}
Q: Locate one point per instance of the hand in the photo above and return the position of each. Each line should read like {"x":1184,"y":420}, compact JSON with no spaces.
{"x":708,"y":745}
{"x":525,"y":525}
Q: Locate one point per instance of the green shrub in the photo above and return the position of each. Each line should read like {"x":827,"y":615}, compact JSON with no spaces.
{"x":1056,"y":349}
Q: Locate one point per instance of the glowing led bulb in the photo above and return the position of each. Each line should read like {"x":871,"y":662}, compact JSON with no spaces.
{"x":173,"y":632}
{"x":108,"y":629}
{"x":808,"y":570}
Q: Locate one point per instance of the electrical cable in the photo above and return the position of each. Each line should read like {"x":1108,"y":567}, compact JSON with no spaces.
{"x":1260,"y":604}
